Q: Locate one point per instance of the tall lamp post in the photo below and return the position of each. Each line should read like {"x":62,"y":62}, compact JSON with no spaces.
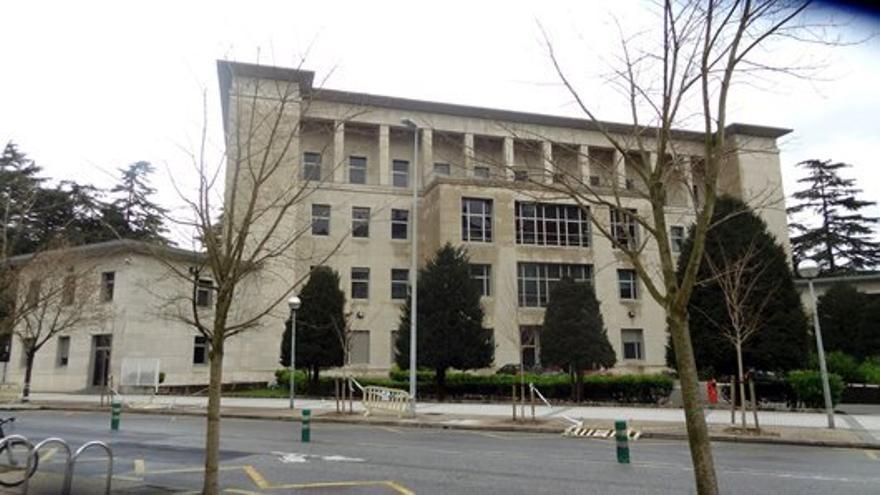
{"x":293,"y":303}
{"x":414,"y":265}
{"x":809,"y":270}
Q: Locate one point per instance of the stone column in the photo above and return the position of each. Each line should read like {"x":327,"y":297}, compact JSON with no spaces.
{"x":584,"y":163}
{"x":468,"y":154}
{"x":384,"y":156}
{"x":547,"y":162}
{"x":507,"y":153}
{"x":338,"y":151}
{"x":426,"y":160}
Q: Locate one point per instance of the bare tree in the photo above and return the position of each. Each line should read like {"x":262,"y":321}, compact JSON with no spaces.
{"x":704,"y":47}
{"x":56,"y":292}
{"x":739,"y":280}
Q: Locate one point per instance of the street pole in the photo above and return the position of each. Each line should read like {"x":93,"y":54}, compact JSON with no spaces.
{"x":823,"y":370}
{"x":293,"y":303}
{"x":414,"y":266}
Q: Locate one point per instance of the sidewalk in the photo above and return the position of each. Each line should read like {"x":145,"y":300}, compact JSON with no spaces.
{"x":856,"y":430}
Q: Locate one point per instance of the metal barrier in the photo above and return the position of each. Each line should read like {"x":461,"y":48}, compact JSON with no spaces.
{"x":386,"y":400}
{"x":32,"y":458}
{"x":19,"y":438}
{"x":82,"y":449}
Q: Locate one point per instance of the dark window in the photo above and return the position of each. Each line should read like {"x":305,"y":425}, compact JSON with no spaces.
{"x":633,"y":343}
{"x":624,"y":228}
{"x":442,"y":169}
{"x":520,"y":175}
{"x":476,"y":220}
{"x":628,"y":283}
{"x":360,"y":222}
{"x":399,"y":224}
{"x":357,"y":169}
{"x":400,"y":173}
{"x":200,"y":350}
{"x":204,"y":293}
{"x":676,"y":238}
{"x":547,"y":224}
{"x":63,"y":351}
{"x":536,"y":280}
{"x":482,"y":274}
{"x":360,"y":283}
{"x":108,"y":285}
{"x":481,"y":172}
{"x":320,"y":219}
{"x":399,"y":283}
{"x":311,"y":166}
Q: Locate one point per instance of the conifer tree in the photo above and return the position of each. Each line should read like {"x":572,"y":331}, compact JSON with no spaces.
{"x":843,"y":239}
{"x":133,"y":214}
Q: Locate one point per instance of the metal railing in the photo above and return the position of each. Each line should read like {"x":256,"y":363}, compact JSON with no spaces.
{"x":69,"y":464}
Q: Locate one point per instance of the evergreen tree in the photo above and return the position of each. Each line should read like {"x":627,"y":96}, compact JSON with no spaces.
{"x":20,"y":182}
{"x":781,"y":343}
{"x":450,"y":319}
{"x":320,"y":325}
{"x":842,"y":242}
{"x":849,"y":319}
{"x":133,"y":214}
{"x":574,"y":335}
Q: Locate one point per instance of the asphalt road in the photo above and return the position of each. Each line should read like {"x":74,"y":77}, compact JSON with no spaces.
{"x":155,"y":452}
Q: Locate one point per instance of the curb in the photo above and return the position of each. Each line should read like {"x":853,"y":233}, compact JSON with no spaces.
{"x":360,"y":420}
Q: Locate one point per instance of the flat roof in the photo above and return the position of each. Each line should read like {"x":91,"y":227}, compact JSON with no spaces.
{"x":227,"y":70}
{"x":122,"y":246}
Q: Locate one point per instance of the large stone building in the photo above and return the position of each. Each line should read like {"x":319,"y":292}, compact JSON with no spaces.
{"x":478,"y":174}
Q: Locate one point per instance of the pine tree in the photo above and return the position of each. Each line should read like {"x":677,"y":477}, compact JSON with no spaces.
{"x":574,"y":335}
{"x":320,"y":325}
{"x":842,"y":241}
{"x":133,"y":214}
{"x":20,"y":183}
{"x":781,"y":343}
{"x":450,"y":319}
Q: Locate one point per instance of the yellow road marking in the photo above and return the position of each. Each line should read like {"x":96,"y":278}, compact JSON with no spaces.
{"x":872,"y":454}
{"x":397,"y":487}
{"x":140,"y":466}
{"x":256,"y":477}
{"x":48,"y":455}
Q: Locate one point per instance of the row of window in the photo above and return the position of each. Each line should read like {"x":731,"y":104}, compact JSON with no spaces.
{"x":632,"y":342}
{"x":357,"y":169}
{"x":360,"y":221}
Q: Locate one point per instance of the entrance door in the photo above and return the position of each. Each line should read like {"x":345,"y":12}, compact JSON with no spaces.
{"x":101,"y":345}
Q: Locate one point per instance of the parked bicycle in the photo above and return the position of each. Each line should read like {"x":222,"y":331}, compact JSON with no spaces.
{"x":14,"y":458}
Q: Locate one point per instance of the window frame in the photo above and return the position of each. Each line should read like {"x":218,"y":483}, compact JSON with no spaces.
{"x":624,"y":227}
{"x":542,"y":276}
{"x":200,"y":342}
{"x":638,"y":343}
{"x":320,"y":220}
{"x":204,"y":293}
{"x":310,"y":167}
{"x":360,"y":222}
{"x":484,"y":216}
{"x":482,"y":172}
{"x":561,"y":217}
{"x":62,"y":359}
{"x":397,"y":281}
{"x":397,"y":221}
{"x":482,"y":274}
{"x":357,"y":167}
{"x":362,"y":281}
{"x":397,"y":174}
{"x":631,"y":282}
{"x":439,"y":166}
{"x":108,"y":286}
{"x":676,"y":238}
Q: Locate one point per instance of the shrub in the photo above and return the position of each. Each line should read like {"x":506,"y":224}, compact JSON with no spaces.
{"x":807,"y":387}
{"x":841,"y":363}
{"x":870,"y":370}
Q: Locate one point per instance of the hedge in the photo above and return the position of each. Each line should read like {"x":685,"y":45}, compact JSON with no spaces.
{"x":618,"y":388}
{"x":807,"y":387}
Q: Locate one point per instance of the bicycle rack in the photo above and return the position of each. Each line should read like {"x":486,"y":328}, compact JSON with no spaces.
{"x":24,"y":440}
{"x":79,"y":451}
{"x":65,"y":487}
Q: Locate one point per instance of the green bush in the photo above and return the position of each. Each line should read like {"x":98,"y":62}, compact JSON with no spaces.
{"x":844,"y":365}
{"x":870,"y":370}
{"x":807,"y":387}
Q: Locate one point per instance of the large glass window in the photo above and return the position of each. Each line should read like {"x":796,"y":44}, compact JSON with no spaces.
{"x":400,"y":173}
{"x":357,"y":169}
{"x":311,"y":169}
{"x":320,"y":219}
{"x":399,"y":224}
{"x":360,"y":283}
{"x":476,"y":220}
{"x":633,"y":343}
{"x":546,"y":224}
{"x":482,"y":274}
{"x":399,"y":283}
{"x":628,"y":282}
{"x":360,"y":221}
{"x":624,"y":228}
{"x":536,"y":280}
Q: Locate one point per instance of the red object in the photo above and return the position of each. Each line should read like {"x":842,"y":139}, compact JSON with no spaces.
{"x":712,"y":390}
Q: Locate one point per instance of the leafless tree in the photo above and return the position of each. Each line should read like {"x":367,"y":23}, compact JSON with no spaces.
{"x":56,"y":293}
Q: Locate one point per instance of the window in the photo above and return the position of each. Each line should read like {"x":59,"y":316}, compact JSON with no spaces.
{"x":399,"y":283}
{"x":200,"y":350}
{"x":633,"y":343}
{"x":33,"y":294}
{"x":204,"y":293}
{"x":552,"y":225}
{"x":108,"y":284}
{"x":360,"y":283}
{"x":357,"y":169}
{"x":399,"y":224}
{"x":628,"y":284}
{"x":360,"y":347}
{"x":442,"y":169}
{"x":530,"y":346}
{"x":482,"y":274}
{"x":520,"y":175}
{"x":360,"y":222}
{"x":320,"y":219}
{"x":676,"y":238}
{"x":62,"y":351}
{"x":481,"y":172}
{"x":624,"y":228}
{"x":476,"y":220}
{"x":535,"y":280}
{"x":68,"y":290}
{"x":311,"y":166}
{"x":400,"y":173}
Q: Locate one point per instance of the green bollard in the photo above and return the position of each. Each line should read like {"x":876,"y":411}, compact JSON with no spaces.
{"x":622,"y":442}
{"x":306,"y":428}
{"x":115,"y":413}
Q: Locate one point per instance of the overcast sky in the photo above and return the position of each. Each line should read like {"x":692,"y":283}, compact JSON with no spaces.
{"x":87,"y":87}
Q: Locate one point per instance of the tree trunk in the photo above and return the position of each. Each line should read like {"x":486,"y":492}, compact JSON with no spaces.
{"x":441,"y":383}
{"x":316,"y":381}
{"x":212,"y":437}
{"x":742,"y":386}
{"x":571,"y":380}
{"x":695,"y":421}
{"x":579,"y":376}
{"x":28,"y":370}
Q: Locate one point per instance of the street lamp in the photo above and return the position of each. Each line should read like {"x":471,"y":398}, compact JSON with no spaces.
{"x":293,"y":303}
{"x":414,"y":265}
{"x":809,"y":270}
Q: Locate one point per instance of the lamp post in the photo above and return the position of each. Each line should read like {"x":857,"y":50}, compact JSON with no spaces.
{"x":293,"y":303}
{"x":414,"y":266}
{"x":809,"y":270}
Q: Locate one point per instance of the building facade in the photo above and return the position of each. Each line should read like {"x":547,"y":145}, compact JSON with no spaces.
{"x":478,"y":174}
